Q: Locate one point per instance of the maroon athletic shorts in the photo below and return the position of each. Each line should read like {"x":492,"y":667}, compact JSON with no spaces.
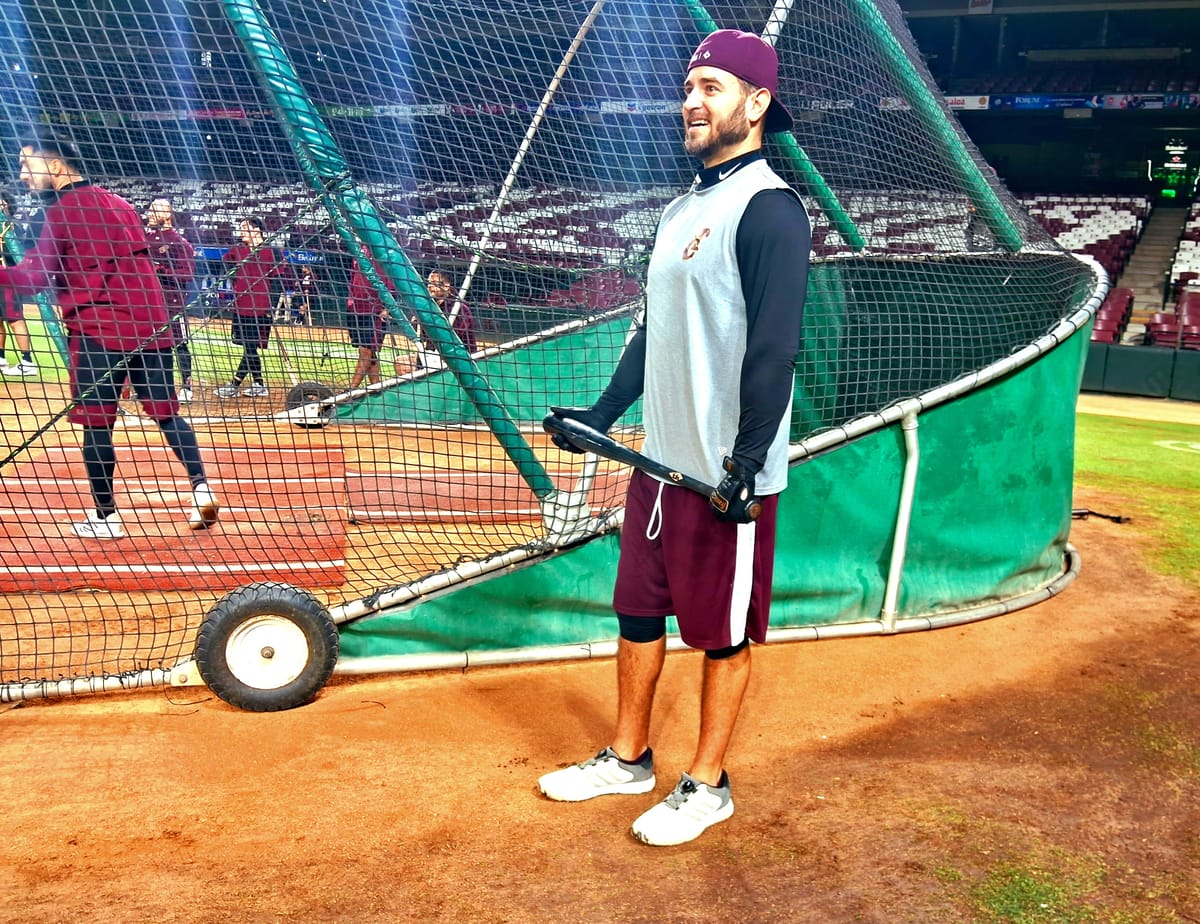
{"x":678,"y":558}
{"x":365,"y":330}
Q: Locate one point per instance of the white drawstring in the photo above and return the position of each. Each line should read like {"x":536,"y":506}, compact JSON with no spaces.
{"x":654,"y":523}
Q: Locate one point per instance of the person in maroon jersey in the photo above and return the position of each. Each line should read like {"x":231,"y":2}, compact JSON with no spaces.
{"x":256,"y":264}
{"x":364,"y":323}
{"x":441,"y":290}
{"x":92,"y":254}
{"x":175,"y":260}
{"x":11,"y":311}
{"x":308,"y":294}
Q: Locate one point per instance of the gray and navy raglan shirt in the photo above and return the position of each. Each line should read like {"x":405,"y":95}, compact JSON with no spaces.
{"x":724,"y":303}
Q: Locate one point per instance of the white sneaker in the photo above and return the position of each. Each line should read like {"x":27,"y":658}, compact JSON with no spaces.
{"x":185,"y":395}
{"x":256,"y":391}
{"x":98,"y":527}
{"x":226,"y":391}
{"x":685,"y":814}
{"x":204,"y":507}
{"x":603,"y":775}
{"x":27,"y":368}
{"x":6,"y":369}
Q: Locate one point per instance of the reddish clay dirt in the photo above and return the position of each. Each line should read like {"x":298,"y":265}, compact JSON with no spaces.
{"x":881,"y":779}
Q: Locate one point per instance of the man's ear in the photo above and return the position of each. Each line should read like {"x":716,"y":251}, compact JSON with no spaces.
{"x":757,"y":104}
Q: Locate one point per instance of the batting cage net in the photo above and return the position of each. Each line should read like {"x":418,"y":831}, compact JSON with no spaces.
{"x":485,"y":180}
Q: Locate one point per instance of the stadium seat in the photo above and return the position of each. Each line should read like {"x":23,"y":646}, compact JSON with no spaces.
{"x":1105,"y":227}
{"x":1162,"y":329}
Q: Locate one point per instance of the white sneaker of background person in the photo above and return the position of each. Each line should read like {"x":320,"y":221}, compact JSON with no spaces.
{"x":205,"y":507}
{"x":99,"y":527}
{"x":22,"y":368}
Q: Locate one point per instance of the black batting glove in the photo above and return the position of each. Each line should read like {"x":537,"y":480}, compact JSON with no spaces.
{"x":587,"y":416}
{"x":733,"y":499}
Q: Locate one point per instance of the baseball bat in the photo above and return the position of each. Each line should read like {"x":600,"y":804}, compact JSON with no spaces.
{"x":592,"y":440}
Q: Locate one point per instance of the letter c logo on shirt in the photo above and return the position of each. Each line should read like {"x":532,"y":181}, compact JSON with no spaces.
{"x":694,"y":244}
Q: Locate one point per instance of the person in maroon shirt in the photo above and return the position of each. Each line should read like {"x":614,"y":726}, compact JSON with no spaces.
{"x":255,"y":265}
{"x":441,"y":290}
{"x":364,"y":323}
{"x":175,"y":261}
{"x":11,"y":311}
{"x":93,"y":255}
{"x":308,"y":293}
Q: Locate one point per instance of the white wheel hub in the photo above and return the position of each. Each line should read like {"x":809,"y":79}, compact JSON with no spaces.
{"x":267,"y":652}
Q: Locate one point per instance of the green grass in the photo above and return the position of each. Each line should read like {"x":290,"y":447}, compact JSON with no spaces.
{"x":324,"y":357}
{"x":51,"y":367}
{"x":1155,"y":467}
{"x":330,"y":360}
{"x":1028,"y":893}
{"x":1055,"y":887}
{"x":994,"y":870}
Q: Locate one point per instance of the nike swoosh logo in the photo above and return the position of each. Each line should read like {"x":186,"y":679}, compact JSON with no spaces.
{"x":725,"y":174}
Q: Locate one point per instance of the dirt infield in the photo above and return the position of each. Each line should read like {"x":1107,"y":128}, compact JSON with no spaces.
{"x":1047,"y":762}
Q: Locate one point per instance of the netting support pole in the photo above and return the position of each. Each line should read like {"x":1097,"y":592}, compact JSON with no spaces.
{"x":803,"y":165}
{"x":939,"y":125}
{"x":328,"y":173}
{"x":908,"y":490}
{"x":522,"y":151}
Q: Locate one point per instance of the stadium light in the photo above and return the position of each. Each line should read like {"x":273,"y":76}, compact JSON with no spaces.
{"x":18,"y":97}
{"x":180,"y":40}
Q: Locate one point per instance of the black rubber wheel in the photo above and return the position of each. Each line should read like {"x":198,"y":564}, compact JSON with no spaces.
{"x":267,"y":647}
{"x":309,"y":393}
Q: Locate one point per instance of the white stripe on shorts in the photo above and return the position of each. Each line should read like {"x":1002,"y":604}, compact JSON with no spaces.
{"x":743,"y":583}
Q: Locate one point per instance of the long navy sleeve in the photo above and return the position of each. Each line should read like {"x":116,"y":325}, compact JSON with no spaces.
{"x":628,"y":380}
{"x":773,"y":230}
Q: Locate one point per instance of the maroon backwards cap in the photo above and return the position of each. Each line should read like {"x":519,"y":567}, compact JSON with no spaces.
{"x":745,"y":55}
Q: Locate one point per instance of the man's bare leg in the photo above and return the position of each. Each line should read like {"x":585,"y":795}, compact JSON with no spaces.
{"x":366,"y":360}
{"x":21,"y":337}
{"x":725,"y":683}
{"x":639,"y":665}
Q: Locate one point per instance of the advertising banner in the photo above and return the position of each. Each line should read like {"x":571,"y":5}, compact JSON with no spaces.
{"x":1045,"y":101}
{"x":1133,"y":101}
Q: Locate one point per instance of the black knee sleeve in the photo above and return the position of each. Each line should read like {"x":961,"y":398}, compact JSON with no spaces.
{"x":642,"y":629}
{"x":720,"y":654}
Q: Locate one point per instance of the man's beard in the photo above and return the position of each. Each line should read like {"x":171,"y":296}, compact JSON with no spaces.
{"x":732,"y":131}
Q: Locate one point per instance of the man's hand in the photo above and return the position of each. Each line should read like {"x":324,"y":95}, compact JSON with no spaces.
{"x":733,"y":499}
{"x":585,"y":415}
